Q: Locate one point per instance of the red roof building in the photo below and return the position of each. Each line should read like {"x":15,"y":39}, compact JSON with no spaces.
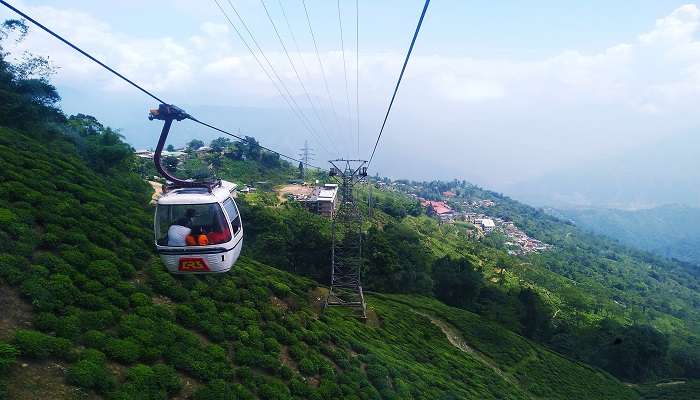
{"x":439,"y":207}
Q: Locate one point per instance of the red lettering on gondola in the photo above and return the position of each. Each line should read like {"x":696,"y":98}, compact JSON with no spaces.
{"x":193,"y":265}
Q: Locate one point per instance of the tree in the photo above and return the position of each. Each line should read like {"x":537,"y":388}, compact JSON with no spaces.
{"x":194,"y":144}
{"x":101,"y":146}
{"x":234,"y":151}
{"x":637,"y":353}
{"x":457,"y":283}
{"x":170,"y":163}
{"x":270,"y":160}
{"x":170,"y":148}
{"x":251,"y":148}
{"x":220,"y":144}
{"x":535,"y":315}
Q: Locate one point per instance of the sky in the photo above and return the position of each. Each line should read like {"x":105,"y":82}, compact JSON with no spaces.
{"x":506,"y":94}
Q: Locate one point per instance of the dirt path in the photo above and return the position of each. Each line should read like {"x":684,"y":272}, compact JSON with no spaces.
{"x":455,"y":339}
{"x":672,"y":383}
{"x":16,"y":313}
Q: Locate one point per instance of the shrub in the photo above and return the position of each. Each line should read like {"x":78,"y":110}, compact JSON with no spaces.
{"x":271,"y":346}
{"x":46,"y":322}
{"x":273,"y":391}
{"x":186,"y":316}
{"x":96,"y":320}
{"x":144,"y":382}
{"x":308,"y":367}
{"x":38,"y":345}
{"x":95,"y":339}
{"x":8,"y":356}
{"x":123,"y":350}
{"x":104,"y":271}
{"x":221,"y":390}
{"x":90,"y":374}
{"x":68,"y":327}
{"x":139,"y":299}
{"x":167,"y":378}
{"x":280,"y":289}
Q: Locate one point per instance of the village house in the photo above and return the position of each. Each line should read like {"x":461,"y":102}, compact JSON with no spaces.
{"x":486,"y":224}
{"x":322,"y":200}
{"x":148,"y":154}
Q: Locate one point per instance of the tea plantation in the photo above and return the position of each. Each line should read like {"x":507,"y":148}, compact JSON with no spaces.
{"x":102,"y":318}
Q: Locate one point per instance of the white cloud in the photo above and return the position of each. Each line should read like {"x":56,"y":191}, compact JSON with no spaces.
{"x":679,"y":26}
{"x":572,"y":104}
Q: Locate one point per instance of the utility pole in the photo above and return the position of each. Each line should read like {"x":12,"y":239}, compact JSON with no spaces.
{"x":306,"y":154}
{"x":346,"y":254}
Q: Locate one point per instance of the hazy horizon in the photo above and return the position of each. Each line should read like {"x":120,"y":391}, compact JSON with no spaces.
{"x":579,"y":105}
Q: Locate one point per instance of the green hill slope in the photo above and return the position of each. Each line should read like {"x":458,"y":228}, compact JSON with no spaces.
{"x":99,"y":313}
{"x":669,"y":231}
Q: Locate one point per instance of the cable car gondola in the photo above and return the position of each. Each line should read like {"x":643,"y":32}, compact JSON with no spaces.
{"x":197,"y":225}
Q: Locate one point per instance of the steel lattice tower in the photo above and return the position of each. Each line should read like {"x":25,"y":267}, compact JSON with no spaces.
{"x":346,"y":256}
{"x":306,"y":155}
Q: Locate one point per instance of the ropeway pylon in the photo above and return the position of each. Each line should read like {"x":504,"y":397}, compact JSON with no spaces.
{"x":346,"y":255}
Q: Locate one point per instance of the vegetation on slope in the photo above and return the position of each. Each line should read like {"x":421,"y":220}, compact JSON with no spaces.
{"x":75,"y":242}
{"x":669,"y":231}
{"x":124,"y":328}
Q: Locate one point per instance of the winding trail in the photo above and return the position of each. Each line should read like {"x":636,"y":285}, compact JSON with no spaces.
{"x":455,"y":338}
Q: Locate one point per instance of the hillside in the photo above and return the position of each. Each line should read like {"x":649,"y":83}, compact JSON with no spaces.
{"x":669,"y":231}
{"x":593,"y":297}
{"x":94,"y":309}
{"x":90,"y":312}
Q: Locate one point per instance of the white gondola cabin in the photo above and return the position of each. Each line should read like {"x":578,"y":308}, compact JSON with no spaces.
{"x":198,"y":229}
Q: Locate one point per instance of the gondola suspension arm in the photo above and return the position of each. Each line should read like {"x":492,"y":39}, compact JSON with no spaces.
{"x":169,"y":113}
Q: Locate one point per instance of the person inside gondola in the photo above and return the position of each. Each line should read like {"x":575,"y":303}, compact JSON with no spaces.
{"x":181,"y":230}
{"x":219,"y":230}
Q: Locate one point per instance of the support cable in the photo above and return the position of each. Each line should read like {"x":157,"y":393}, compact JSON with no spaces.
{"x":357,"y":71}
{"x":345,"y":71}
{"x":137,"y":86}
{"x":299,"y":52}
{"x":274,"y":72}
{"x":403,"y":69}
{"x":301,"y":82}
{"x":320,"y":64}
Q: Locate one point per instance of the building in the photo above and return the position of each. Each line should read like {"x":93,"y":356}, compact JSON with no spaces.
{"x":144,"y":154}
{"x":323,"y":200}
{"x":486,"y":224}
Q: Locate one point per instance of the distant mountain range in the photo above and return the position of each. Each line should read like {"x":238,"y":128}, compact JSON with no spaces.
{"x":671,"y":231}
{"x":649,"y":175}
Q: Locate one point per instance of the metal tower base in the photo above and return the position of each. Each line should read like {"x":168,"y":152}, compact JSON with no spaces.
{"x":346,"y":253}
{"x":347,"y":297}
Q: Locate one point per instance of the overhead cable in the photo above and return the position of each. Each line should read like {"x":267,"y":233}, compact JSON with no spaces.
{"x":320,"y":64}
{"x":132,"y":83}
{"x":357,"y":71}
{"x":403,"y":69}
{"x":294,"y":68}
{"x":345,"y":70}
{"x":288,"y":98}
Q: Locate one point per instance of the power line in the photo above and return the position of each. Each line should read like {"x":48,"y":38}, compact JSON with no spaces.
{"x":320,"y":64}
{"x":132,"y":83}
{"x":345,"y":69}
{"x":357,"y":71}
{"x":305,"y":119}
{"x":249,"y":142}
{"x":301,"y":83}
{"x":79,"y":50}
{"x":403,"y":69}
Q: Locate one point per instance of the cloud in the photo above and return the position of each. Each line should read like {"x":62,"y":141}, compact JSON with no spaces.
{"x":679,"y":26}
{"x":570,"y":106}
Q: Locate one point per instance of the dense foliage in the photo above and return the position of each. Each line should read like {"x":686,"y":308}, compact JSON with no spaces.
{"x":669,"y":231}
{"x":76,"y":244}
